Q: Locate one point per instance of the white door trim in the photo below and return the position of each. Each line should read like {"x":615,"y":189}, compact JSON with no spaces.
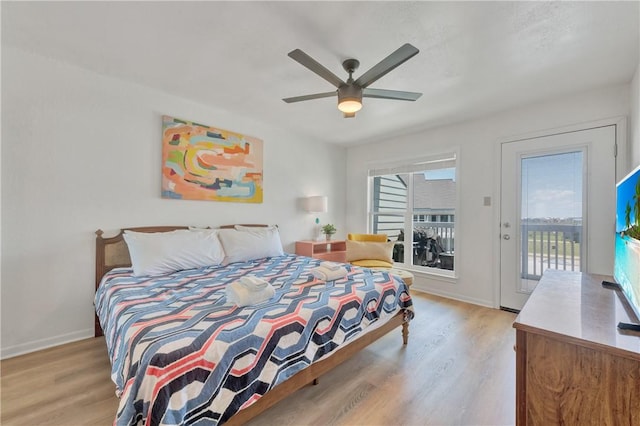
{"x":622,"y":168}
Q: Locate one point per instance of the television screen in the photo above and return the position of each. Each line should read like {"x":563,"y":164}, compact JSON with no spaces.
{"x":626,"y":269}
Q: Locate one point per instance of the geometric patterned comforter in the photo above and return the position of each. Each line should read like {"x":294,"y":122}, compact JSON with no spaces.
{"x":181,"y":354}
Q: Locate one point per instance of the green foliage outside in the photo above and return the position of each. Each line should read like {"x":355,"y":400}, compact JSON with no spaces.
{"x":562,"y":248}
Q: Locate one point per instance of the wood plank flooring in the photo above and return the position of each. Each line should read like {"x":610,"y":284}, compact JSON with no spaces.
{"x":458,"y":369}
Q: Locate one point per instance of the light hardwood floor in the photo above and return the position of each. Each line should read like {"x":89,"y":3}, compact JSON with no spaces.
{"x":458,"y":369}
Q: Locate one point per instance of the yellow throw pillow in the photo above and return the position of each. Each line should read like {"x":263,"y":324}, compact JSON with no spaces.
{"x":359,"y":250}
{"x":378,"y":238}
{"x":372,"y":263}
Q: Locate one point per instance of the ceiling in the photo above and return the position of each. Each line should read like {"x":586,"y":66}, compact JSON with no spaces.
{"x":475,"y":58}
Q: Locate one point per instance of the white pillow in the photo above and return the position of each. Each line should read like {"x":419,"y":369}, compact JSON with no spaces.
{"x":248,"y":243}
{"x":160,"y":253}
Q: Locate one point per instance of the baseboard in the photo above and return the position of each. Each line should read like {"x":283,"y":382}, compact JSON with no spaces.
{"x":454,"y":296}
{"x":37,"y":345}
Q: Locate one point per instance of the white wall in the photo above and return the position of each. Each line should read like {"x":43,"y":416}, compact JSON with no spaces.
{"x":634,"y":124}
{"x":478,"y":142}
{"x":82,"y":151}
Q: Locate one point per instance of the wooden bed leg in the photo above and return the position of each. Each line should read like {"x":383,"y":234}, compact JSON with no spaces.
{"x":315,"y":381}
{"x":405,"y":332}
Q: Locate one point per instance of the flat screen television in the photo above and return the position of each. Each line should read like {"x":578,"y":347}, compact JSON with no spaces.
{"x":626,"y":270}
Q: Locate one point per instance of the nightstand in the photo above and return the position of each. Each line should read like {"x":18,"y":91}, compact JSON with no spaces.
{"x":335,"y":251}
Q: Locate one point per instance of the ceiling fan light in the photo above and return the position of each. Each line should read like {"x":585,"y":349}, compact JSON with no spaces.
{"x":349,"y":98}
{"x":349,"y":105}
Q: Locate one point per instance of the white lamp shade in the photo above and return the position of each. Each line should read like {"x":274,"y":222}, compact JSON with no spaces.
{"x":316,"y":204}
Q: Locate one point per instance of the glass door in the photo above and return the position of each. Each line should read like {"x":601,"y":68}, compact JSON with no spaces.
{"x":557,"y":199}
{"x":551,"y":215}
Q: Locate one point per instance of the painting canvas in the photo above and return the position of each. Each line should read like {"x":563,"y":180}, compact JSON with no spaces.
{"x":206,"y":163}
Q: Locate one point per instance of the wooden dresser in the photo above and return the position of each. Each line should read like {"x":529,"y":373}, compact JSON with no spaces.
{"x":573,"y":366}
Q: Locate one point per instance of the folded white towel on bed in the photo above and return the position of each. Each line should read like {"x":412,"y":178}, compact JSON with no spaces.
{"x":332,"y":266}
{"x":326,"y":274}
{"x":239,"y":294}
{"x":253,"y":283}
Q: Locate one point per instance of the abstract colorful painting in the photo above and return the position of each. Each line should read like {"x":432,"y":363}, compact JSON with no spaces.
{"x":206,"y":163}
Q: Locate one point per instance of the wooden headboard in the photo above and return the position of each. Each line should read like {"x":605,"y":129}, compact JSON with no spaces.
{"x":112,"y":252}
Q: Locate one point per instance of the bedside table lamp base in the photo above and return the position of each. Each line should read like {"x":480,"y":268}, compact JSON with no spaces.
{"x":317,"y":230}
{"x":316,"y":204}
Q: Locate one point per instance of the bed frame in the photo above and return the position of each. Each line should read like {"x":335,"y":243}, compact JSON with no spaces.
{"x":112,"y":252}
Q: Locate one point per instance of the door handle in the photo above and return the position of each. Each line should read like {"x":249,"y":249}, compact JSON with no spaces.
{"x":506,"y":236}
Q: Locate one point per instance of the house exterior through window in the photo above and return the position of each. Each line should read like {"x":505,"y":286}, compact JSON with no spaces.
{"x":415,"y":205}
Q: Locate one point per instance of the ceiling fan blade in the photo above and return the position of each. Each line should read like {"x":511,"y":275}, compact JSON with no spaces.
{"x":397,"y":58}
{"x":309,"y":97}
{"x":307,"y":61}
{"x":390,"y":94}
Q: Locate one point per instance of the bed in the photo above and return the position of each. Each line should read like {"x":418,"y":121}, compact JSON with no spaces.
{"x":181,"y":354}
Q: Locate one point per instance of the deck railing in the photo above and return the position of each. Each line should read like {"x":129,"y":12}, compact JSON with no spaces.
{"x":549,"y":246}
{"x":546,"y":246}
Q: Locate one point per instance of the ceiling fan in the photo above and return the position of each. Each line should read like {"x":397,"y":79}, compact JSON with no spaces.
{"x":351,"y":92}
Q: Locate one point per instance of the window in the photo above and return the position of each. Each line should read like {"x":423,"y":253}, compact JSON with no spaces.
{"x":415,"y":205}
